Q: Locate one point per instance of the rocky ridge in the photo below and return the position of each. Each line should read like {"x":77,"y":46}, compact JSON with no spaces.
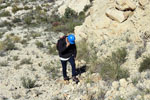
{"x":126,"y":27}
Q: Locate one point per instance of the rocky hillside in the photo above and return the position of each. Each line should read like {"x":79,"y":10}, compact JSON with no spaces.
{"x":114,"y":35}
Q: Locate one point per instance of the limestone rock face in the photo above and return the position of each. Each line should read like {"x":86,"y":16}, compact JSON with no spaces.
{"x":125,"y":5}
{"x":77,"y":5}
{"x":117,"y":15}
{"x":143,"y":2}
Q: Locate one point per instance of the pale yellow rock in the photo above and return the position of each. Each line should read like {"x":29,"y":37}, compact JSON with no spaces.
{"x":143,"y":2}
{"x":116,"y":15}
{"x":125,"y":5}
{"x":77,"y":5}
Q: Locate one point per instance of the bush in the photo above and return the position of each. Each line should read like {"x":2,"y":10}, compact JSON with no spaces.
{"x":39,"y":44}
{"x":3,"y":6}
{"x":15,"y":58}
{"x":5,"y":14}
{"x":139,"y":52}
{"x":145,"y":65}
{"x":28,"y":83}
{"x":67,"y":22}
{"x":15,"y":9}
{"x":25,"y":61}
{"x":53,"y":71}
{"x":3,"y":63}
{"x":28,"y":19}
{"x":34,"y":35}
{"x":52,"y":50}
{"x":1,"y":34}
{"x":13,"y":38}
{"x":86,"y":7}
{"x":111,"y":66}
{"x":16,"y":20}
{"x":7,"y":45}
{"x":69,"y":13}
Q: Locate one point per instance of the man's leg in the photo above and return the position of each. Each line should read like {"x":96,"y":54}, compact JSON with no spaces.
{"x":64,"y":68}
{"x":72,"y":62}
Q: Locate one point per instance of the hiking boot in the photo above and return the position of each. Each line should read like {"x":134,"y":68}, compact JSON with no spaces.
{"x":66,"y":78}
{"x":75,"y":79}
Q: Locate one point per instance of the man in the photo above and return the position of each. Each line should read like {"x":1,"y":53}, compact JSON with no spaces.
{"x":67,"y":52}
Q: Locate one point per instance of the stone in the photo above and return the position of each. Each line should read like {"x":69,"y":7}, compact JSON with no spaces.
{"x":116,"y":15}
{"x":115,"y":84}
{"x":123,"y":83}
{"x":125,"y":5}
{"x":143,"y":2}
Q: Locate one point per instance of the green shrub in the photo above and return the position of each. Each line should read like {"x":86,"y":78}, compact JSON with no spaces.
{"x":139,"y":52}
{"x":69,"y":13}
{"x":52,"y":50}
{"x":111,"y":66}
{"x":7,"y":45}
{"x":5,"y":23}
{"x":145,"y":65}
{"x":53,"y":71}
{"x":3,"y":6}
{"x":5,"y":14}
{"x":15,"y":58}
{"x":17,"y":67}
{"x":15,"y":9}
{"x":28,"y":19}
{"x":28,"y":83}
{"x":67,"y":22}
{"x":86,"y":7}
{"x":39,"y":44}
{"x":34,"y":35}
{"x":1,"y":34}
{"x":3,"y":63}
{"x":26,"y":61}
{"x":16,"y":20}
{"x":26,"y":8}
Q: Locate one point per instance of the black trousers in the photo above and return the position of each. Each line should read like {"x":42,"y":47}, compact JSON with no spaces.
{"x":64,"y":66}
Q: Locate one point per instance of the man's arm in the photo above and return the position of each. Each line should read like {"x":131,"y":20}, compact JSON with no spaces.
{"x":63,"y":47}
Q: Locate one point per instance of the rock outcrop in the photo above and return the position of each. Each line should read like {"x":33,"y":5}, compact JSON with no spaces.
{"x":77,"y":5}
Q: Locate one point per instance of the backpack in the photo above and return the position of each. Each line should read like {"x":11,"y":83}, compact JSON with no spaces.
{"x":60,"y":39}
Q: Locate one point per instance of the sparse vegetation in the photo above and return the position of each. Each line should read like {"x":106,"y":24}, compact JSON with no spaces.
{"x":67,"y":22}
{"x":111,"y":66}
{"x":145,"y":64}
{"x":52,"y":70}
{"x":4,"y":63}
{"x":1,"y":34}
{"x":5,"y":14}
{"x":82,"y":49}
{"x":52,"y":50}
{"x":34,"y":35}
{"x":15,"y":9}
{"x":39,"y":44}
{"x":28,"y":83}
{"x":15,"y":58}
{"x":139,"y":52}
{"x":7,"y":45}
{"x":86,"y":7}
{"x":17,"y":67}
{"x":26,"y":61}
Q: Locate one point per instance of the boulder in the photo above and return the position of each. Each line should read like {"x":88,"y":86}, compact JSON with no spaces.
{"x":117,"y":15}
{"x":125,"y":5}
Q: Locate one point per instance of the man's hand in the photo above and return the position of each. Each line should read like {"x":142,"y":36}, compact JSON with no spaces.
{"x":67,"y":44}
